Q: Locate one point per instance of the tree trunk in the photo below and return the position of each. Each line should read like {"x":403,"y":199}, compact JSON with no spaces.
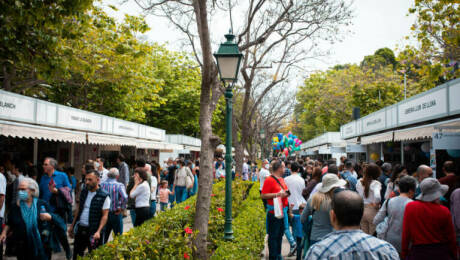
{"x":6,"y":84}
{"x":203,"y":201}
{"x":209,"y":90}
{"x":239,"y":157}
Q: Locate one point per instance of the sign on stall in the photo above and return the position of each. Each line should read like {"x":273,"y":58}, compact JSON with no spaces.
{"x":446,"y":141}
{"x":15,"y":107}
{"x":355,"y":148}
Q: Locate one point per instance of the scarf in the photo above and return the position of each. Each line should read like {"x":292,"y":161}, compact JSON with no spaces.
{"x":29,"y":215}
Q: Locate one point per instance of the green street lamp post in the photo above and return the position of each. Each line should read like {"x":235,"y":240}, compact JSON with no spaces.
{"x":228,"y":59}
{"x":262,"y":150}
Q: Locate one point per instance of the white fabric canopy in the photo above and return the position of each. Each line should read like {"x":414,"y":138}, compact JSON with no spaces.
{"x":145,"y":144}
{"x":40,"y":132}
{"x":378,"y":138}
{"x":193,"y":148}
{"x":169,"y":146}
{"x":110,"y":140}
{"x":414,"y":133}
{"x":426,"y":132}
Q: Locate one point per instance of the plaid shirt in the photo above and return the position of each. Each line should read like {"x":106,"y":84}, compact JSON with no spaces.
{"x":117,"y":193}
{"x":351,"y":244}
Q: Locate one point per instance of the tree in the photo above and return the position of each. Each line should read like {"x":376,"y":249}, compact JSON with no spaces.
{"x":326,"y":99}
{"x":107,"y":70}
{"x":30,"y":35}
{"x":438,"y":30}
{"x":276,"y":37}
{"x":181,"y":91}
{"x":381,"y":58}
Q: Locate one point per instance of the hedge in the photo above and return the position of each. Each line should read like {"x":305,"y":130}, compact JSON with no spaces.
{"x":248,"y":229}
{"x":169,"y":235}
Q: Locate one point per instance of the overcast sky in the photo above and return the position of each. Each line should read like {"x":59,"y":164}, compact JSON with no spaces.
{"x":376,"y":24}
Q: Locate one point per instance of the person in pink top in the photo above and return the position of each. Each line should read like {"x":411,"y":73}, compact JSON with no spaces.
{"x":164,"y":195}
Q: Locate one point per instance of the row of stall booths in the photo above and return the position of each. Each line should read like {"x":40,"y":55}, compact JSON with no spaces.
{"x":326,"y":146}
{"x":423,"y":129}
{"x":32,"y":129}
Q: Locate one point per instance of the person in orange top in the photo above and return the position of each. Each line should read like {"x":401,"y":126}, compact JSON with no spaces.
{"x":428,"y":231}
{"x":274,"y":187}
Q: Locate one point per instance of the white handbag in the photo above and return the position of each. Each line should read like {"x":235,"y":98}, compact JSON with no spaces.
{"x":189,"y":180}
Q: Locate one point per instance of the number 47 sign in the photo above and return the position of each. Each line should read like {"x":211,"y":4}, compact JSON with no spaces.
{"x":446,"y":141}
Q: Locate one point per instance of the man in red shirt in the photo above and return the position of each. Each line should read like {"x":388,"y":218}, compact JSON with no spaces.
{"x":274,"y":187}
{"x":428,"y":231}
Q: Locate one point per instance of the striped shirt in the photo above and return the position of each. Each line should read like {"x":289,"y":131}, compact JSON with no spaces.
{"x":351,"y":244}
{"x":117,"y":193}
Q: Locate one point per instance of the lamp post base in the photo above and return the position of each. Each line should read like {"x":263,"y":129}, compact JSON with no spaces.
{"x":228,"y":235}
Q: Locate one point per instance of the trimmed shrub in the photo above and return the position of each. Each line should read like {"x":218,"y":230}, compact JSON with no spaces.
{"x":169,"y":235}
{"x":248,"y":229}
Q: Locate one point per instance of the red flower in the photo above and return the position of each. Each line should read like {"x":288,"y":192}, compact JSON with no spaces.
{"x":186,"y":256}
{"x":187,"y":207}
{"x":220,"y":209}
{"x":188,"y":230}
{"x":212,"y":195}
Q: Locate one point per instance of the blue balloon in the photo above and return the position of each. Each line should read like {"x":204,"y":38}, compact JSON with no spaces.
{"x":280,"y":136}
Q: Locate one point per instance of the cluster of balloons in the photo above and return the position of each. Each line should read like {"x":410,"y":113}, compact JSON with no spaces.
{"x":286,"y":144}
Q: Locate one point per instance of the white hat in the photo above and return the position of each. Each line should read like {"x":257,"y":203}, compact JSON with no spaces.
{"x":330,"y":181}
{"x":431,"y":190}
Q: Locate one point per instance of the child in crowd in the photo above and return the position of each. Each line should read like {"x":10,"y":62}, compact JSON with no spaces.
{"x":164,"y":195}
{"x":297,"y":230}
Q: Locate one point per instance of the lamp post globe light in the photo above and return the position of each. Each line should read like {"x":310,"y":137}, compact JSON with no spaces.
{"x":228,"y":58}
{"x":262,"y":137}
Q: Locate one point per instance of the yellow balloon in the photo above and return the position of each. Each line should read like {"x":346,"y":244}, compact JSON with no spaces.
{"x":275,"y":139}
{"x":374,"y":156}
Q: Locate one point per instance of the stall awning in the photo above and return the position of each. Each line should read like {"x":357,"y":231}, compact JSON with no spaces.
{"x":193,"y":148}
{"x":378,"y":138}
{"x":352,"y":140}
{"x":110,"y":140}
{"x":169,"y":146}
{"x":41,"y":132}
{"x":146,"y":144}
{"x":414,"y":133}
{"x":426,"y":131}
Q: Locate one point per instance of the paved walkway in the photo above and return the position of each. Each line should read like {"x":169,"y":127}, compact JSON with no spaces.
{"x":284,"y":250}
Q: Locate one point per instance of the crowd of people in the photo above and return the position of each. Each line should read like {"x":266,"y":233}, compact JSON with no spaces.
{"x":344,"y":210}
{"x":324,"y":209}
{"x":42,"y":207}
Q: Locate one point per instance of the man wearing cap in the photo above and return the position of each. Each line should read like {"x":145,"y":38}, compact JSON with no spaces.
{"x":428,"y":231}
{"x":348,"y":241}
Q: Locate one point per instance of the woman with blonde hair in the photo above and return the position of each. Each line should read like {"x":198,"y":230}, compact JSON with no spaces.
{"x":319,"y":205}
{"x":369,"y":188}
